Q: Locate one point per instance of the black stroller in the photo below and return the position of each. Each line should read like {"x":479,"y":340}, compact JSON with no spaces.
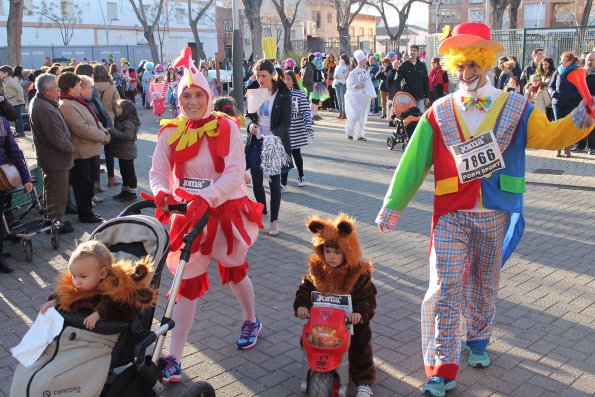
{"x":131,"y":373}
{"x":405,"y":118}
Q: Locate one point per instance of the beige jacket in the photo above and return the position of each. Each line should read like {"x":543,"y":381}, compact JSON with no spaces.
{"x":86,"y":136}
{"x":13,"y":91}
{"x":109,"y":97}
{"x":541,"y":99}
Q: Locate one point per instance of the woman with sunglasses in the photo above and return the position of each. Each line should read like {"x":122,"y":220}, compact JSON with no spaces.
{"x":565,"y":96}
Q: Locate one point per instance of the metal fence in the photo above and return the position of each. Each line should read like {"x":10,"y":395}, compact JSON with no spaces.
{"x":34,"y":57}
{"x":332,"y":44}
{"x":520,"y":42}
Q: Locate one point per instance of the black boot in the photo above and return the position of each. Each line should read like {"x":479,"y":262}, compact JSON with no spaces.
{"x":4,"y":268}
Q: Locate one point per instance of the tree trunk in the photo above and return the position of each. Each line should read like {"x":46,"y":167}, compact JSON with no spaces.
{"x":152,"y":45}
{"x":286,"y":38}
{"x":513,"y":13}
{"x":200,"y":51}
{"x":586,"y":13}
{"x":252,"y":11}
{"x":14,"y":28}
{"x":498,"y":8}
{"x":344,"y":40}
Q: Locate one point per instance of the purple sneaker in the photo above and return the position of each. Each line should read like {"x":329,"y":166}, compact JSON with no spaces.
{"x":172,"y":373}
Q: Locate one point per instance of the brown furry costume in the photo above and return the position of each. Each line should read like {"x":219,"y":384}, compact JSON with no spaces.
{"x":354,"y":277}
{"x":118,"y":297}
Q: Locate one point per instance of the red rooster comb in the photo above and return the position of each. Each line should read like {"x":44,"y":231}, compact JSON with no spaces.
{"x":184,"y":58}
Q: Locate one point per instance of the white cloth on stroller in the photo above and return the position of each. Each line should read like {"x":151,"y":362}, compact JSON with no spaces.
{"x":40,"y":335}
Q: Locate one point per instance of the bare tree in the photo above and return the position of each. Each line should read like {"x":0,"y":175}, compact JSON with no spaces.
{"x":141,"y":10}
{"x":193,"y":21}
{"x":345,"y":17}
{"x":498,"y":8}
{"x":286,"y":21}
{"x":66,"y":16}
{"x":586,"y":19}
{"x":385,"y":7}
{"x":252,"y":11}
{"x":14,"y":27}
{"x":163,"y":24}
{"x":513,"y":13}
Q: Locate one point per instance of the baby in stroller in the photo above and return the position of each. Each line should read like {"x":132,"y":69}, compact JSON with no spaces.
{"x":95,"y":284}
{"x":101,"y":350}
{"x":404,"y":116}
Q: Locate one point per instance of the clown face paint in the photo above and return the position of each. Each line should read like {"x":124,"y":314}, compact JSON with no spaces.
{"x":470,"y":76}
{"x":194,"y":102}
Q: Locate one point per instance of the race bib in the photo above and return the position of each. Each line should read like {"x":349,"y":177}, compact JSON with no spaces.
{"x":363,"y":75}
{"x":477,"y":157}
{"x":194,"y":185}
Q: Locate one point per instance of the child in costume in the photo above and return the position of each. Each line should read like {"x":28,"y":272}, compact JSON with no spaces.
{"x":146,"y":80}
{"x":101,"y":289}
{"x":337,"y":267}
{"x":478,"y":197}
{"x":158,"y":104}
{"x":199,"y":159}
{"x":359,"y":92}
{"x":319,"y":91}
{"x":124,"y":135}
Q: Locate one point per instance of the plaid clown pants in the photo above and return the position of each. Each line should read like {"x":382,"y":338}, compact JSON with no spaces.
{"x":465,"y":262}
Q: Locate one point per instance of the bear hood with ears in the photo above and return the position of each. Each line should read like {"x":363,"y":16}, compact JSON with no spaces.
{"x":338,"y":280}
{"x":126,"y":283}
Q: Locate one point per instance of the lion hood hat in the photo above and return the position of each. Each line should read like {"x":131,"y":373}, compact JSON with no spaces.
{"x":341,"y":230}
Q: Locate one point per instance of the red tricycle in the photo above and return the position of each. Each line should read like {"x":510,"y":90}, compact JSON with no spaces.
{"x":325,"y":341}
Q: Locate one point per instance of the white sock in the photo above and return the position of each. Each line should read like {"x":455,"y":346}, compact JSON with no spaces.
{"x":244,"y":292}
{"x":183,"y":316}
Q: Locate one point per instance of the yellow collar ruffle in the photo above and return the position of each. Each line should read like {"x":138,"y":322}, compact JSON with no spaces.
{"x":187,"y":137}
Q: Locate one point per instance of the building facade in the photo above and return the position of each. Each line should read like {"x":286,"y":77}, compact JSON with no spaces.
{"x":83,"y":23}
{"x":531,"y":13}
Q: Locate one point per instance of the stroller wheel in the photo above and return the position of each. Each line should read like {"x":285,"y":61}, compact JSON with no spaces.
{"x":390,"y":142}
{"x":28,"y":250}
{"x":200,"y":389}
{"x":55,"y":238}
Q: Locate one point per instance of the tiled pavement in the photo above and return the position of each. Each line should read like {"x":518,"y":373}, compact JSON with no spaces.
{"x":544,"y":339}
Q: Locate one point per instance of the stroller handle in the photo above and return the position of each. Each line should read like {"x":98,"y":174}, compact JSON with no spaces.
{"x":135,"y":208}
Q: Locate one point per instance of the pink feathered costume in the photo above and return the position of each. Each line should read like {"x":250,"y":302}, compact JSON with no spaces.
{"x":190,"y":153}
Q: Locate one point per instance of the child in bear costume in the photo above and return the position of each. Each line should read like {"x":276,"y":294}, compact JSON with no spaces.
{"x":337,"y":267}
{"x":101,"y":289}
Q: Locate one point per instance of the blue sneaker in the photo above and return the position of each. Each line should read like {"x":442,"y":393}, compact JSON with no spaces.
{"x":437,"y":386}
{"x":478,"y":357}
{"x":249,"y":334}
{"x":172,"y":373}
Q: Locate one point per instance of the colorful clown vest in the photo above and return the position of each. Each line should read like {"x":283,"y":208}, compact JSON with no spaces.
{"x":501,"y":190}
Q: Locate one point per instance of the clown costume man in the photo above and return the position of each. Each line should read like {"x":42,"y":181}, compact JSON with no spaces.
{"x":199,"y":159}
{"x":475,"y":138}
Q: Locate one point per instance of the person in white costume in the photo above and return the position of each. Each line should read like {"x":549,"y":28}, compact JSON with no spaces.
{"x":360,"y":92}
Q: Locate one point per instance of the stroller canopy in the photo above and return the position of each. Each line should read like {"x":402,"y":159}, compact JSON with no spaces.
{"x":134,"y":236}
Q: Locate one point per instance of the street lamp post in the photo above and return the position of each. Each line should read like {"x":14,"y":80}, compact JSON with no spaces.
{"x":107,"y":29}
{"x":236,"y":54}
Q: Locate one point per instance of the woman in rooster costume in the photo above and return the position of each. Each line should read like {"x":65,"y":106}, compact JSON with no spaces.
{"x":199,"y":159}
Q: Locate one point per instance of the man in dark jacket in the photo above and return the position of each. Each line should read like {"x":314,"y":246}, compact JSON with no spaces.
{"x":531,"y":68}
{"x":308,"y":75}
{"x":54,"y":148}
{"x":415,"y":74}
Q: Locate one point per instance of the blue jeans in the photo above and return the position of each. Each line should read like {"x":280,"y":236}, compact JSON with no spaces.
{"x":340,"y":89}
{"x":18,"y":124}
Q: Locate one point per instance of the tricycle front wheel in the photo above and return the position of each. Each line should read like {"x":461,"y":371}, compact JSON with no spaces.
{"x":322,"y":384}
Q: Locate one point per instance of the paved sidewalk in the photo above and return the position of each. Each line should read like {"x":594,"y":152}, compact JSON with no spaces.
{"x":544,"y":339}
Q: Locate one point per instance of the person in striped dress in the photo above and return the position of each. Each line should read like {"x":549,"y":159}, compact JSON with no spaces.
{"x":300,"y":129}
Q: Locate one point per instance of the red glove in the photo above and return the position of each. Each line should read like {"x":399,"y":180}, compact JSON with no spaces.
{"x":161,"y":199}
{"x":196,"y":208}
